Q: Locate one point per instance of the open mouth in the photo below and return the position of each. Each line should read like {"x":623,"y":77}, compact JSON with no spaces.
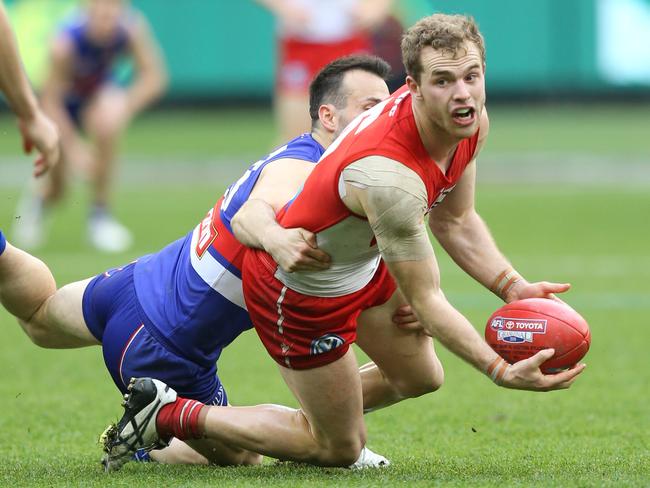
{"x":464,"y":116}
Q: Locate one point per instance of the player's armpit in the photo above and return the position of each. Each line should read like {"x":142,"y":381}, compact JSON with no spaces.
{"x":394,"y":199}
{"x":280,"y":180}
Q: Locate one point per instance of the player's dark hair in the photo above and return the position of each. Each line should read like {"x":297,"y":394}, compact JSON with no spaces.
{"x":326,"y":86}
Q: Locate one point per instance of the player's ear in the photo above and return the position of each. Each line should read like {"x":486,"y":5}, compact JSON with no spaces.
{"x":413,"y":87}
{"x":328,"y":117}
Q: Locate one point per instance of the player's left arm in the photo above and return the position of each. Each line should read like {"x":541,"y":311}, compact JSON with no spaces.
{"x":151,"y":75}
{"x":467,"y":239}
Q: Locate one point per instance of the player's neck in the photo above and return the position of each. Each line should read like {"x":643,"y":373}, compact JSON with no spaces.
{"x":440,"y":145}
{"x":322,"y":137}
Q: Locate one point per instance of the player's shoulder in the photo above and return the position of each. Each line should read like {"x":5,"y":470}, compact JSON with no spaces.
{"x":303,"y":147}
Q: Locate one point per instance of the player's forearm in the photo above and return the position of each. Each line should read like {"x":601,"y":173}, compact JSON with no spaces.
{"x":470,"y":244}
{"x":417,"y":281}
{"x":145,"y":90}
{"x":13,"y":81}
{"x":254,"y":223}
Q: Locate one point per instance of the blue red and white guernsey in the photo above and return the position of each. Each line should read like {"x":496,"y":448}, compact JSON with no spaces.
{"x":191,"y":291}
{"x":92,"y":63}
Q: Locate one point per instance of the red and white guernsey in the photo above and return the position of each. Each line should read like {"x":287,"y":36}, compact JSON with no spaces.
{"x":388,"y":130}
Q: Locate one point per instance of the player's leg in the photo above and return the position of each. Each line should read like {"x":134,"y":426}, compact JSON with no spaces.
{"x":404,"y":362}
{"x":104,"y":120}
{"x":328,"y":430}
{"x":51,"y":318}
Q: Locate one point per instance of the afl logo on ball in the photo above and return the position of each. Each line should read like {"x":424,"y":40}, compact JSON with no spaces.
{"x":326,"y":343}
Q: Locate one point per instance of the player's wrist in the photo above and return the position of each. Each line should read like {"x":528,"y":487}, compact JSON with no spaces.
{"x":497,"y":370}
{"x":505,"y":283}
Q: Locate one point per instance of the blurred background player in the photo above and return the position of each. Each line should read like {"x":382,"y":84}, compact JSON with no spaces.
{"x":311,"y":33}
{"x":82,"y":96}
{"x":36,"y":128}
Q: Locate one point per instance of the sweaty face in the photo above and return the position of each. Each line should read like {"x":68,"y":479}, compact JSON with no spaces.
{"x":452,"y":88}
{"x":363,"y":90}
{"x":104,"y":17}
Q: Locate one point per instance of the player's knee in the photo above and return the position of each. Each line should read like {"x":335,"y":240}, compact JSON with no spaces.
{"x":342,"y":454}
{"x":38,"y":333}
{"x":427,"y":382}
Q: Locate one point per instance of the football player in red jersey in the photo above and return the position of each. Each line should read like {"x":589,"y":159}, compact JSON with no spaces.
{"x":366,"y":201}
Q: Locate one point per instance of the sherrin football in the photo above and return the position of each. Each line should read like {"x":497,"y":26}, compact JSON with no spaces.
{"x":520,"y":329}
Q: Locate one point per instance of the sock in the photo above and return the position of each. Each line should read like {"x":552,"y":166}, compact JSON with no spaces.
{"x":180,"y":419}
{"x":3,"y":243}
{"x":98,"y":211}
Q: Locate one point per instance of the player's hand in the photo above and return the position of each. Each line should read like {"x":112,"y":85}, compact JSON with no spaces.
{"x":526,"y":375}
{"x":296,"y":250}
{"x":293,"y":17}
{"x":40,"y":132}
{"x":541,"y":289}
{"x":404,"y":318}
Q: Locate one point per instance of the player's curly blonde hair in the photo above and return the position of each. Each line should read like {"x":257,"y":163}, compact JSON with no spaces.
{"x":440,"y":31}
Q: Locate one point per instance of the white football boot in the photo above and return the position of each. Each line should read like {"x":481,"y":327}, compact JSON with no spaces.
{"x":370,"y":459}
{"x":137,"y":427}
{"x":107,"y":235}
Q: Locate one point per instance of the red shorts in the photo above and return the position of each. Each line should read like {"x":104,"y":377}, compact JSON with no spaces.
{"x":301,"y":331}
{"x":300,"y":61}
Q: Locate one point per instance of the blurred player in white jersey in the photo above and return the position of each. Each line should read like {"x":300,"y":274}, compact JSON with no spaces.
{"x":83,"y":98}
{"x":311,"y":33}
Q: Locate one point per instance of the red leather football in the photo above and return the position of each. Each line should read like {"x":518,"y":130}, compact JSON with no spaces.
{"x":520,"y":329}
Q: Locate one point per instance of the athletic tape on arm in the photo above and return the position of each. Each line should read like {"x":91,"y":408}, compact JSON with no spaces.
{"x":397,"y":200}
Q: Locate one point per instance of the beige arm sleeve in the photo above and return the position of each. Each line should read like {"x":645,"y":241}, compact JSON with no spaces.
{"x":395,"y":200}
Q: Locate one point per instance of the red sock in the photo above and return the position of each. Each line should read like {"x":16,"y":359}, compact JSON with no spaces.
{"x":180,"y":419}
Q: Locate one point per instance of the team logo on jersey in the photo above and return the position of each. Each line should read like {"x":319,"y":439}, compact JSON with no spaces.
{"x":441,"y":196}
{"x":517,"y":330}
{"x":326,"y":343}
{"x":207,"y":234}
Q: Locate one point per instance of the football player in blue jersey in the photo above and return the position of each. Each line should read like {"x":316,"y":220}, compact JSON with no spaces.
{"x":83,"y":97}
{"x":169,"y":314}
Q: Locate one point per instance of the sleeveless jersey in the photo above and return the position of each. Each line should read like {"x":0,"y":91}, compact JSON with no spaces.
{"x":93,"y":63}
{"x":191,"y":290}
{"x":389,"y":130}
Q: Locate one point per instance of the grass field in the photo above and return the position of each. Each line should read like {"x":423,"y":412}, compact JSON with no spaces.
{"x":470,"y":433}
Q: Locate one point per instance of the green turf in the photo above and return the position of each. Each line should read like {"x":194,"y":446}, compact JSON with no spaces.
{"x":470,"y":433}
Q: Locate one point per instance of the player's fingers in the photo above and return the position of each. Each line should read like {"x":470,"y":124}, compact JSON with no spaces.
{"x":316,"y":255}
{"x":405,"y":319}
{"x":40,"y":167}
{"x":27,"y":144}
{"x":550,"y":288}
{"x":309,"y":238}
{"x":541,"y":357}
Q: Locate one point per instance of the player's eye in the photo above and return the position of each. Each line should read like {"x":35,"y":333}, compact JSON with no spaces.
{"x":441,"y":82}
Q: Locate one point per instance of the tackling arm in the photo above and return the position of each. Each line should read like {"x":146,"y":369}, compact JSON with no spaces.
{"x":255,"y":224}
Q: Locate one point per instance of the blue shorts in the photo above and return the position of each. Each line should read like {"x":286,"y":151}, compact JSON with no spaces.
{"x":114,"y":316}
{"x":74,"y":106}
